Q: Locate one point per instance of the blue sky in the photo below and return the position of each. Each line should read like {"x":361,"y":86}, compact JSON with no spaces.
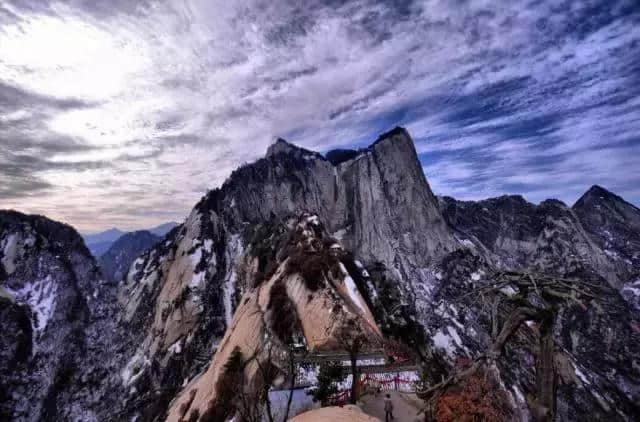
{"x":124,"y":113}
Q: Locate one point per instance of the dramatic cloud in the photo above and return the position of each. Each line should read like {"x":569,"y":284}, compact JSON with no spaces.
{"x":124,"y":113}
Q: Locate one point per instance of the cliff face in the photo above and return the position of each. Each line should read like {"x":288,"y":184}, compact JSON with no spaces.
{"x":384,"y":184}
{"x":182,"y":294}
{"x":614,"y":225}
{"x":56,"y":317}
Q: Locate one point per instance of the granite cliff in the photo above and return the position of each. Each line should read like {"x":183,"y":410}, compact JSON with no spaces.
{"x":186,"y":303}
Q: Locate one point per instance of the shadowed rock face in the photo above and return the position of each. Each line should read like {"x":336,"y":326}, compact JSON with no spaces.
{"x":596,"y":239}
{"x":116,"y":261}
{"x":551,"y":237}
{"x":57,"y":318}
{"x":614,"y":225}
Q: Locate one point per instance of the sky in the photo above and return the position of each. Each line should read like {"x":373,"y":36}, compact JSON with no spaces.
{"x":124,"y":113}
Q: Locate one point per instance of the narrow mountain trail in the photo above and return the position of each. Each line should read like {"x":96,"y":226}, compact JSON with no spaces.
{"x":405,"y":406}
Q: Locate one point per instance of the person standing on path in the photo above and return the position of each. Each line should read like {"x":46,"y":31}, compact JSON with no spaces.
{"x":388,"y":408}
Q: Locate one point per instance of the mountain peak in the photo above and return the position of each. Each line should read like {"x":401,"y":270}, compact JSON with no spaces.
{"x":397,"y":132}
{"x":281,"y":146}
{"x":599,"y":206}
{"x":596,"y":193}
{"x":599,"y":190}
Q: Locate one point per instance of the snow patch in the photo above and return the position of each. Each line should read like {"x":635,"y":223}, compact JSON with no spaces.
{"x":353,"y":292}
{"x":9,"y":253}
{"x":41,"y":298}
{"x":363,"y":271}
{"x":581,"y":375}
{"x":454,"y":334}
{"x":354,"y":295}
{"x":518,"y":394}
{"x":611,"y":254}
{"x":340,"y":234}
{"x":313,"y":220}
{"x":197,"y":280}
{"x":196,"y":256}
{"x":444,"y":342}
{"x":235,"y":249}
{"x":134,"y":368}
{"x":631,"y":293}
{"x":175,"y":348}
{"x":508,"y":290}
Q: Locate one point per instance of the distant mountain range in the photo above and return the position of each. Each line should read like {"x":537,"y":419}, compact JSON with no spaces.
{"x":99,"y":243}
{"x":115,"y":262}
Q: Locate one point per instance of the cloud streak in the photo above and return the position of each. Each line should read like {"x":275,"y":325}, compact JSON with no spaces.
{"x":150,"y":103}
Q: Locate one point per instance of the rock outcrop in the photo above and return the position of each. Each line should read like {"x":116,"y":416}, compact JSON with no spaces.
{"x":307,"y":300}
{"x":348,"y":413}
{"x":614,"y":225}
{"x":550,"y":237}
{"x":599,"y":234}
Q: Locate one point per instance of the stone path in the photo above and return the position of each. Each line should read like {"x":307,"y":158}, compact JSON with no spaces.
{"x":405,"y":406}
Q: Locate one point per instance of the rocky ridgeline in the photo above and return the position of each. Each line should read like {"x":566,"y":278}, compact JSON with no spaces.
{"x":298,"y":294}
{"x":413,"y":257}
{"x":58,"y":337}
{"x":182,"y":294}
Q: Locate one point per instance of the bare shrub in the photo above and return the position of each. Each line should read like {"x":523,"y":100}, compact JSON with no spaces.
{"x":312,"y":266}
{"x":284,"y":321}
{"x":228,"y":387}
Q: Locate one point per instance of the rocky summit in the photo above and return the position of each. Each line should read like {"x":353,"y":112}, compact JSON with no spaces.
{"x":297,"y":251}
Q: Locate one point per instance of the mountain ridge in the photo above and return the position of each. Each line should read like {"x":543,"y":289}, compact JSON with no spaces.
{"x":115,"y":262}
{"x":179,"y":299}
{"x":99,"y":243}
